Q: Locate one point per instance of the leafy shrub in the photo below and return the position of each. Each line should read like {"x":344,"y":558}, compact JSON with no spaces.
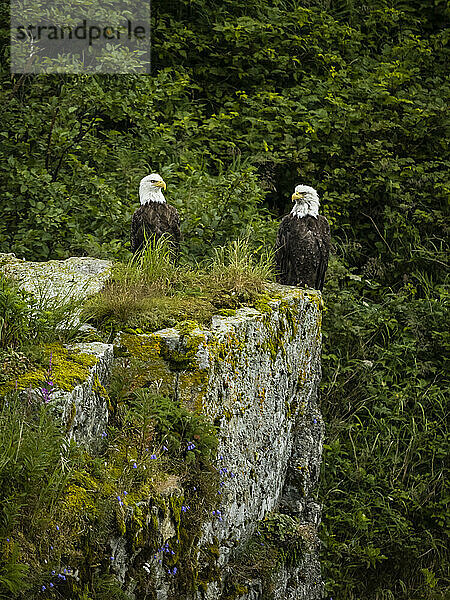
{"x":175,"y":426}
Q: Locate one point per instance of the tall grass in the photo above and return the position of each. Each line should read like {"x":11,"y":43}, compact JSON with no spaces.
{"x":152,"y":266}
{"x":150,"y":291}
{"x":33,"y":474}
{"x":235,"y":267}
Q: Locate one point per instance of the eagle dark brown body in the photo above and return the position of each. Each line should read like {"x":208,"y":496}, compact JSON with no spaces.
{"x":301,"y":251}
{"x":156,"y":219}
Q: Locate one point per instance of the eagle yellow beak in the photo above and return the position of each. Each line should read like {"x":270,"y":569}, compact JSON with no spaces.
{"x":161,"y":184}
{"x":296,"y":196}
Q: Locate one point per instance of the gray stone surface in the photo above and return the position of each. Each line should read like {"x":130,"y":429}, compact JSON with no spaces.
{"x":84,"y":410}
{"x":255,"y":375}
{"x":77,"y":277}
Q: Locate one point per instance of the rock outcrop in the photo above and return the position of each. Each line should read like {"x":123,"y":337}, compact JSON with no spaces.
{"x":254,"y":375}
{"x":77,"y":277}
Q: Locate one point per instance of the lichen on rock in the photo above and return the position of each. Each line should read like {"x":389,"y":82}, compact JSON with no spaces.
{"x":189,"y":526}
{"x":254,"y":374}
{"x":76,"y":277}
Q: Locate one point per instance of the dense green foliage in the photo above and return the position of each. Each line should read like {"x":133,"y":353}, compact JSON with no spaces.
{"x":384,"y":476}
{"x":245,"y":100}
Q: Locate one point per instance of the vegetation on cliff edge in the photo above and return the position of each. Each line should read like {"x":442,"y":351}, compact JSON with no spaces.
{"x":245,"y":100}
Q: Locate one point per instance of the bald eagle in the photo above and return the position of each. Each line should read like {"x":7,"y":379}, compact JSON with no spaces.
{"x":155,"y":217}
{"x":303,"y":242}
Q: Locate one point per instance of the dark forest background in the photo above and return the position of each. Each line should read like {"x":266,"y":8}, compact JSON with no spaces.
{"x":247,"y":98}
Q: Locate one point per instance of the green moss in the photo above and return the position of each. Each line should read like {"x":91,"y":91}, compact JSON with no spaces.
{"x":228,"y":415}
{"x":161,"y":312}
{"x":161,"y":358}
{"x":285,"y":330}
{"x":274,"y":343}
{"x":175,"y":503}
{"x":69,"y":367}
{"x":145,"y":347}
{"x":192,"y":388}
{"x":80,"y":495}
{"x":208,"y":571}
{"x":234,"y":591}
{"x":316,"y":298}
{"x":140,"y":526}
{"x":264,"y":303}
{"x":226,"y":312}
{"x":147,"y":365}
{"x":185,"y":358}
{"x":120,"y":520}
{"x":229,"y":350}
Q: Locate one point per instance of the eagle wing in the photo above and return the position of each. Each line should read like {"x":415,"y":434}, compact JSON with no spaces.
{"x":282,"y":252}
{"x":323,"y":243}
{"x":153,"y":220}
{"x":301,"y":251}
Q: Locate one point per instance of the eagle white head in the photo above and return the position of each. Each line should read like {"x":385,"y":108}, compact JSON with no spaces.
{"x":150,"y":189}
{"x":306,"y":201}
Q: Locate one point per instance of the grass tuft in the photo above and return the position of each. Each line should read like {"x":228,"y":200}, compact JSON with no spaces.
{"x":235,"y":268}
{"x":150,"y":292}
{"x":152,"y":266}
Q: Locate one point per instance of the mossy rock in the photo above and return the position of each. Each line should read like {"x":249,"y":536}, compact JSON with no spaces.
{"x":67,"y":368}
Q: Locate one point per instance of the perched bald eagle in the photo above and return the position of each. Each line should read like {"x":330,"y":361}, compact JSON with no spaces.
{"x":154,"y":217}
{"x":303,"y":242}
